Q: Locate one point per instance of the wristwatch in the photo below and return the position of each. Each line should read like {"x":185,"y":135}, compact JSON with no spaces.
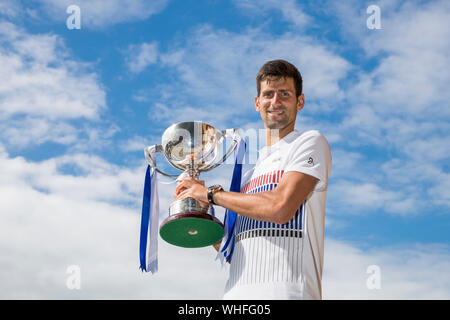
{"x":212,"y":190}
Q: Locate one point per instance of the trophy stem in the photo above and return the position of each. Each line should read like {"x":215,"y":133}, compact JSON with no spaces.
{"x":193,"y":173}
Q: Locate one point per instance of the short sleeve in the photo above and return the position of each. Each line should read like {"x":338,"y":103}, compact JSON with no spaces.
{"x":311,"y":155}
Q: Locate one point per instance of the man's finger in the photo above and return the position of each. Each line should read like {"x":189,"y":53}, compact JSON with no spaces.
{"x":183,"y":184}
{"x":203,"y":204}
{"x":178,"y":191}
{"x":183,"y":195}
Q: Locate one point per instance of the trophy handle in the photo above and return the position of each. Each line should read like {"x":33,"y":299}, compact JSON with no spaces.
{"x":231,"y":133}
{"x":149,"y":153}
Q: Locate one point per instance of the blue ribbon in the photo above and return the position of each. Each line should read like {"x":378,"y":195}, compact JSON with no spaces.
{"x":230,"y":216}
{"x":148,"y":247}
{"x":145,"y":220}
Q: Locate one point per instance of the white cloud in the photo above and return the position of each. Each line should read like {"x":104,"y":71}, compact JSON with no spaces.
{"x":48,"y":233}
{"x":10,"y":8}
{"x":410,"y":80}
{"x":141,"y":56}
{"x":37,"y":79}
{"x":440,"y":192}
{"x":405,"y":91}
{"x":406,"y":272}
{"x":49,"y":223}
{"x":398,"y":106}
{"x":43,"y":89}
{"x":345,"y":162}
{"x":290,"y":10}
{"x":95,"y":180}
{"x":136,"y":143}
{"x":27,"y":131}
{"x":217,"y":70}
{"x":51,"y":220}
{"x":361,"y":197}
{"x":101,"y":14}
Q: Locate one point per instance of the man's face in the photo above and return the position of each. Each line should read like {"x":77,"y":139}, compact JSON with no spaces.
{"x":278,"y":104}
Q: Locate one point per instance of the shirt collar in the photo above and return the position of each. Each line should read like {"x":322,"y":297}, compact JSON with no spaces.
{"x":265,"y":151}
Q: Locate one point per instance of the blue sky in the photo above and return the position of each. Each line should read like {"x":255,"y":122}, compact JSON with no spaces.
{"x":77,"y":107}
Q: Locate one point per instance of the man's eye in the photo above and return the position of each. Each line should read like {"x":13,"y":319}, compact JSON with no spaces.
{"x":284,"y":93}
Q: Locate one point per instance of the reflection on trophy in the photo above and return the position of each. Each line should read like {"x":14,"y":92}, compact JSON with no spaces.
{"x":192,"y":147}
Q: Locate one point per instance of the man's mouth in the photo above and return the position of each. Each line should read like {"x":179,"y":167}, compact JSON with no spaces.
{"x":275,"y":112}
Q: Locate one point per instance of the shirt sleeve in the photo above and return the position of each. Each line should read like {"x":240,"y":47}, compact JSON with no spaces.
{"x":311,"y":155}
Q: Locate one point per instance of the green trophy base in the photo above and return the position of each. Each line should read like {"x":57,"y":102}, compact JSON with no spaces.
{"x":191,"y":230}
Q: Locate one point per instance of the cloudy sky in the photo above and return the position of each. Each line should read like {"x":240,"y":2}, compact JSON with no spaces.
{"x":78,"y":106}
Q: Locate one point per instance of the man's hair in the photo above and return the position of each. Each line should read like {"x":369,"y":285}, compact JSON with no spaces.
{"x":279,"y":69}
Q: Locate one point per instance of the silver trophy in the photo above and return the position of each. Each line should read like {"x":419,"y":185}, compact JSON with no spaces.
{"x":192,"y":147}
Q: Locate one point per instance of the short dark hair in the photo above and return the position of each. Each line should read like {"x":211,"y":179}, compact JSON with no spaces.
{"x":279,"y":69}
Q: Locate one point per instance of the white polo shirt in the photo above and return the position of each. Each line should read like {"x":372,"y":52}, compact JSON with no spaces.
{"x":273,"y":261}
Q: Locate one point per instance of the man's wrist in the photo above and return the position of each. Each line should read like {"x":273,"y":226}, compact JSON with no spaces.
{"x":212,"y":190}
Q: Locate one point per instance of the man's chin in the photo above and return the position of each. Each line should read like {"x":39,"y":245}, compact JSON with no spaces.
{"x":275,"y":125}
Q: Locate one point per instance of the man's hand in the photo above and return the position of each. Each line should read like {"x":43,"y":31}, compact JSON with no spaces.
{"x":217,"y":245}
{"x":191,"y":188}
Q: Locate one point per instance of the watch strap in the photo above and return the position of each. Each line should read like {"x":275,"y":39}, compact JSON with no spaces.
{"x":211,"y":191}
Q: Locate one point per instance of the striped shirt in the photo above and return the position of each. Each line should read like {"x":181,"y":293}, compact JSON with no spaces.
{"x":282,"y":261}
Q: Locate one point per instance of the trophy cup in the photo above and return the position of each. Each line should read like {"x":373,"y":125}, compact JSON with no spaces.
{"x":192,"y":147}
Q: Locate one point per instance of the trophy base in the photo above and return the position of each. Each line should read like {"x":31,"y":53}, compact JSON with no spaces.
{"x":191,"y":229}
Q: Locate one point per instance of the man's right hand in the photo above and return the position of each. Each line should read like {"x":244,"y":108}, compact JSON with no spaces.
{"x":204,"y":204}
{"x":178,"y":190}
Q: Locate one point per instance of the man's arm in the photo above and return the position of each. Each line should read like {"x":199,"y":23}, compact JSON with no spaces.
{"x":278,"y":205}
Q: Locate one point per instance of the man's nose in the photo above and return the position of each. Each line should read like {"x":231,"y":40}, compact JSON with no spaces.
{"x":276,"y":100}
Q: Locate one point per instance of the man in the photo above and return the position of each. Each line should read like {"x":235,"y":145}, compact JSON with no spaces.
{"x":279,"y":230}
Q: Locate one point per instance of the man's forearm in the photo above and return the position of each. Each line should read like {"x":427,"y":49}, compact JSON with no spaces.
{"x":277,"y":205}
{"x":259,"y":206}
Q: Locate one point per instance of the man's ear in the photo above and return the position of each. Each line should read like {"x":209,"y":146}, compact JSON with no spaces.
{"x":257,"y":104}
{"x":300,"y":102}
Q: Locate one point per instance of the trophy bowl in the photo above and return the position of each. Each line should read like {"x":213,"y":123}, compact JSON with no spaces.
{"x":192,"y":147}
